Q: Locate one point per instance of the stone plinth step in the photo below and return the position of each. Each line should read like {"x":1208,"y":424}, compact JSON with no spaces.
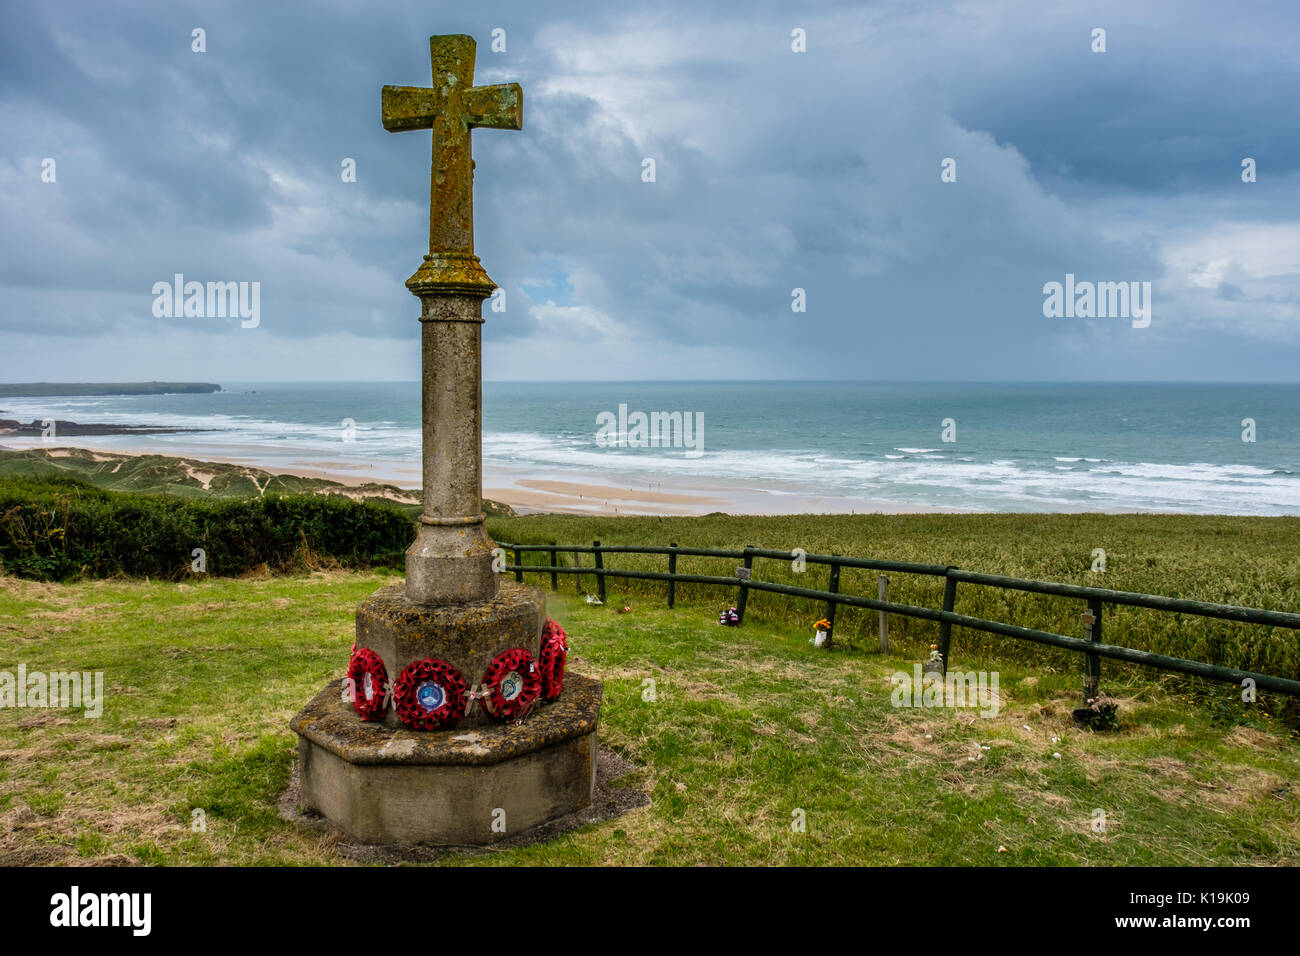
{"x":452,"y":787}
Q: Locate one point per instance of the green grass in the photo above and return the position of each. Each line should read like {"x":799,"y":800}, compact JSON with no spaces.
{"x":746,"y":727}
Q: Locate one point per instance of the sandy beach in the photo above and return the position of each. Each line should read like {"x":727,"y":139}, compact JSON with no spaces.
{"x":527,"y":492}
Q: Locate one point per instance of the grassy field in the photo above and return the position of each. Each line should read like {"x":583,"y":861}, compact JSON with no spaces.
{"x":746,"y":728}
{"x":193,"y":479}
{"x":1233,"y":560}
{"x":180,"y":477}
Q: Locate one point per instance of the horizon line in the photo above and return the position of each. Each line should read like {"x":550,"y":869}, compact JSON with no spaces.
{"x":675,"y":381}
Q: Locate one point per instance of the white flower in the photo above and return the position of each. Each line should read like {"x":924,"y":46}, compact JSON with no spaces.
{"x":1056,"y":756}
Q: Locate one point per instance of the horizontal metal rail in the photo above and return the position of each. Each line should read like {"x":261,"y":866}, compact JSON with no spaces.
{"x":903,"y":567}
{"x":1229,"y":612}
{"x":1091,"y":647}
{"x":1233,"y":675}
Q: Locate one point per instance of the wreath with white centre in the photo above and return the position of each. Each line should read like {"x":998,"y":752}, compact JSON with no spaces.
{"x":367,"y":685}
{"x":513,"y":683}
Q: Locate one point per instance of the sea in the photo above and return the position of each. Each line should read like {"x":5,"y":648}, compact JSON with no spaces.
{"x":1016,"y":447}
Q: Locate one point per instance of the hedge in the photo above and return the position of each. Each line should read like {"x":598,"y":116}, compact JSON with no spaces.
{"x":55,"y":529}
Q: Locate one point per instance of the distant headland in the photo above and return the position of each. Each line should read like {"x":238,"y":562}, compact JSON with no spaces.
{"x":106,"y":388}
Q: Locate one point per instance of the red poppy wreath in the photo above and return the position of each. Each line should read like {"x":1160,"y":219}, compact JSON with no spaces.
{"x":555,"y":645}
{"x":429,"y":694}
{"x":512,"y":683}
{"x":368,"y":682}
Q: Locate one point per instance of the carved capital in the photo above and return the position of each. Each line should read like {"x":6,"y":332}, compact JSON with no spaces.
{"x":451,"y":273}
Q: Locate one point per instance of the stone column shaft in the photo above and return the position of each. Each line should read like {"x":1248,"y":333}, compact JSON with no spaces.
{"x":451,"y":329}
{"x":451,"y":559}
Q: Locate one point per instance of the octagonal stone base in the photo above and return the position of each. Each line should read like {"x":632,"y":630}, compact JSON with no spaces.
{"x":449,"y":787}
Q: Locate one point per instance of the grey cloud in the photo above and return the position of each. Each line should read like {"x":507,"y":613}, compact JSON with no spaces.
{"x":774,"y":170}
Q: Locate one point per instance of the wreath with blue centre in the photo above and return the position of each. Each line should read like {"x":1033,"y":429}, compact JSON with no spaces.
{"x":429,"y":694}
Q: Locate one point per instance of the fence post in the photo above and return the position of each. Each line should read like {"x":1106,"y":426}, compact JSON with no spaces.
{"x":672,"y":569}
{"x":1092,"y":662}
{"x":882,"y":592}
{"x":555,"y":562}
{"x":834,"y":588}
{"x":519,"y":575}
{"x":577,"y":575}
{"x":945,"y":628}
{"x":742,"y":595}
{"x":600,"y":578}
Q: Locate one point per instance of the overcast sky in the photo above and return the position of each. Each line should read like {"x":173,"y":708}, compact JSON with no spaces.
{"x":775,"y":170}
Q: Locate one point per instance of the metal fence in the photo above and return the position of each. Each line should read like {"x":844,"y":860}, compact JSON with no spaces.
{"x":1091,"y":647}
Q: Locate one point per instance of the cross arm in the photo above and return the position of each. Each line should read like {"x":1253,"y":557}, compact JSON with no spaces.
{"x":408,"y":107}
{"x":495,"y":107}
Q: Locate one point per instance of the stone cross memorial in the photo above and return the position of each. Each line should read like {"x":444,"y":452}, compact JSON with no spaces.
{"x":451,"y":560}
{"x":456,"y":722}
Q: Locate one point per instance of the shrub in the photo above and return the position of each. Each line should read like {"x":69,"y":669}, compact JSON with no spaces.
{"x":54,"y":529}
